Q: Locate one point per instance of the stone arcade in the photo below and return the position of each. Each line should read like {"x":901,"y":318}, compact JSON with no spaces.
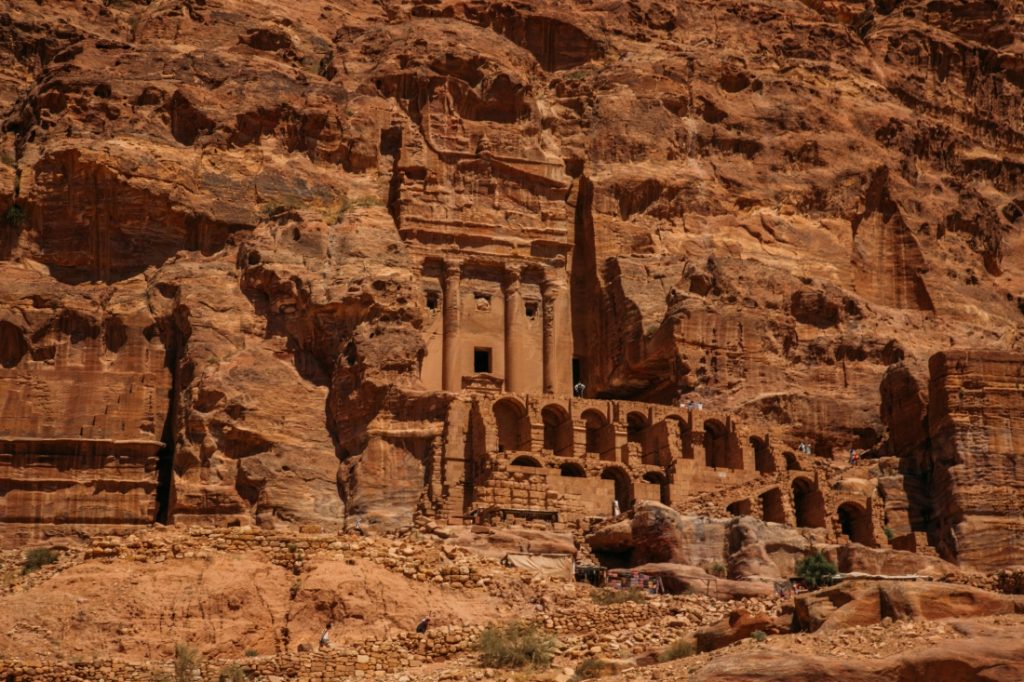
{"x":509,"y":321}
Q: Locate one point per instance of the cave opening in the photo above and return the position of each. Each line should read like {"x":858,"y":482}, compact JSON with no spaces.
{"x":165,"y":456}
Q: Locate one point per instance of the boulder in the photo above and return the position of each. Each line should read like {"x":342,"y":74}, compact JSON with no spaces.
{"x":616,"y":537}
{"x":656,"y":533}
{"x":682,"y":579}
{"x":748,"y":555}
{"x":984,"y":657}
{"x":738,"y":625}
{"x":661,"y":534}
{"x":866,"y":602}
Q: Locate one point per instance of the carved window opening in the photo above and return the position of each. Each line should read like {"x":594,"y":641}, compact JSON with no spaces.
{"x":572,"y":470}
{"x":513,"y":425}
{"x":739,"y":508}
{"x":657,"y":478}
{"x":855,"y":523}
{"x":482,"y":360}
{"x":808,"y":504}
{"x":772,"y":510}
{"x":433,"y":300}
{"x":623,"y":486}
{"x":721,"y":446}
{"x":557,"y":430}
{"x":763,"y":461}
{"x":600,"y":436}
{"x":531,"y":309}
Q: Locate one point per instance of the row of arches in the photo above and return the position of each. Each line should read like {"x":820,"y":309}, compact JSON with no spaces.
{"x":624,"y":492}
{"x":721,"y":445}
{"x":854,"y":520}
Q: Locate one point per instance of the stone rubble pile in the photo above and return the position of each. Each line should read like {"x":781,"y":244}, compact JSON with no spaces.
{"x":367,"y":659}
{"x":417,"y":557}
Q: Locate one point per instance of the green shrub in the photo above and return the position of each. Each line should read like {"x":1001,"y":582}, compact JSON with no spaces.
{"x":681,"y":648}
{"x":232,"y":672}
{"x":516,"y":645}
{"x":14,"y":216}
{"x":346,"y":204}
{"x":889,"y":535}
{"x":604,"y":597}
{"x":717,"y":569}
{"x":758,"y":635}
{"x":272,"y":209}
{"x":37,"y":558}
{"x":815,"y":570}
{"x":590,"y":668}
{"x":251,"y":653}
{"x":186,"y":661}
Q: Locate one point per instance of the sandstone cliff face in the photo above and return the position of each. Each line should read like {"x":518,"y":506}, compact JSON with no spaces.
{"x":212,"y":212}
{"x":975,"y":422}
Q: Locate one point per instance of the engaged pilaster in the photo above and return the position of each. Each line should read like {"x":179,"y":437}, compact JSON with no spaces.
{"x":557,"y":339}
{"x":514,"y":381}
{"x":451,"y":367}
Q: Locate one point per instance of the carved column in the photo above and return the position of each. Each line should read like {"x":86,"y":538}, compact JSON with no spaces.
{"x":451,"y":367}
{"x":513,"y":331}
{"x":557,"y":335}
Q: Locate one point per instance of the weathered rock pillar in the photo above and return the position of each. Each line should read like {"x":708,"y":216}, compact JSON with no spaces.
{"x":557,"y":336}
{"x":514,"y":381}
{"x":451,"y":367}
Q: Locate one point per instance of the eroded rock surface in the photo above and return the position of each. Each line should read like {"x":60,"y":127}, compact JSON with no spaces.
{"x":218,"y":216}
{"x":863,"y":602}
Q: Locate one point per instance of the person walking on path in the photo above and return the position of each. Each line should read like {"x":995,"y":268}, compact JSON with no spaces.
{"x":423,"y":625}
{"x":325,"y":639}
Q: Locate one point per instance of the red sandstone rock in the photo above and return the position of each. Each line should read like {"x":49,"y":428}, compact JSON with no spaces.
{"x":738,"y":625}
{"x":231,"y":219}
{"x":681,"y":579}
{"x":224,"y":605}
{"x":249,"y":253}
{"x":864,"y":602}
{"x":856,"y":558}
{"x":504,"y":540}
{"x":975,"y":418}
{"x":990,"y":659}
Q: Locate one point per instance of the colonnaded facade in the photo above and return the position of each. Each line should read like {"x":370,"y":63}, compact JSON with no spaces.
{"x":509,"y":316}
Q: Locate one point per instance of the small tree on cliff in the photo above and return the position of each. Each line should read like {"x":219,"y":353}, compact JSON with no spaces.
{"x":815,"y":570}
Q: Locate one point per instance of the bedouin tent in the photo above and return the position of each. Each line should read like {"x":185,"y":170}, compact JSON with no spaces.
{"x":554,"y":565}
